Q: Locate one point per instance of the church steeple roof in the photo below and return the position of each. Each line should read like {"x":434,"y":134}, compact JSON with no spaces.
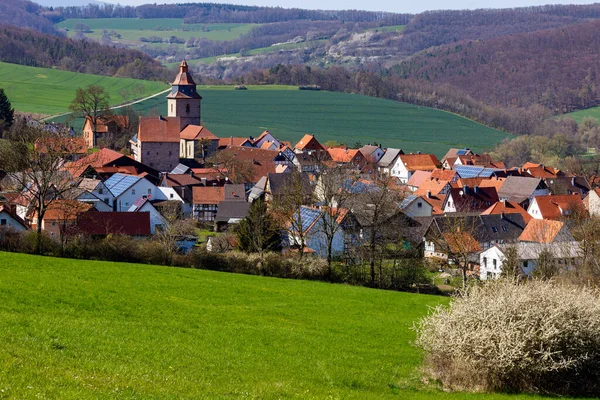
{"x":183,"y":77}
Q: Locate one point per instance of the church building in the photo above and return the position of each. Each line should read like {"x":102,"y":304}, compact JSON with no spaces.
{"x":162,"y":141}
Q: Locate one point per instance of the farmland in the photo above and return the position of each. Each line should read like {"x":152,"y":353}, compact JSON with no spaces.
{"x":130,"y":30}
{"x":346,"y":118}
{"x":578,"y":116}
{"x":50,"y":91}
{"x":90,"y":329}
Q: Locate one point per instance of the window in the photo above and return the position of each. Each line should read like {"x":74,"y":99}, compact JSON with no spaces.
{"x":149,"y":192}
{"x":170,"y":153}
{"x":147,"y":153}
{"x":54,"y":224}
{"x":3,"y":221}
{"x":504,"y":229}
{"x":171,"y":195}
{"x":100,"y":191}
{"x":495,"y":229}
{"x":106,"y":200}
{"x":494,"y":262}
{"x":484,"y":262}
{"x":419,"y":205}
{"x":132,"y":191}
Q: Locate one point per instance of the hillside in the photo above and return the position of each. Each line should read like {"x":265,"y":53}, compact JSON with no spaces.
{"x":74,"y":329}
{"x":50,"y":91}
{"x":557,"y":68}
{"x":346,"y":118}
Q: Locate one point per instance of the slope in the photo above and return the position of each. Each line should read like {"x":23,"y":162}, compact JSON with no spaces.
{"x":50,"y":91}
{"x":87,"y":329}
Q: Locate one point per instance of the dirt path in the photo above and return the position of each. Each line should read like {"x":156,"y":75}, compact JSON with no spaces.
{"x":115,"y":107}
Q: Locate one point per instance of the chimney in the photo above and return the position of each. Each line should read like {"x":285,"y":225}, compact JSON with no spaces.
{"x":214,"y":183}
{"x":191,"y":173}
{"x":573,"y":181}
{"x":476,"y":189}
{"x":502,"y":215}
{"x":429,"y":194}
{"x":231,"y":140}
{"x":504,"y":202}
{"x":203,"y":180}
{"x":466,"y":189}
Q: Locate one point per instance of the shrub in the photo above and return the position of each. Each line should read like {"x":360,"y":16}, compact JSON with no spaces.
{"x":540,"y":337}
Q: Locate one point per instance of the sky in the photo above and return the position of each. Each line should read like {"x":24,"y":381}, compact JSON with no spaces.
{"x":400,"y":6}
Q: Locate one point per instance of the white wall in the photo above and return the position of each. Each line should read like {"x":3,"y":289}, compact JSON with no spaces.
{"x":414,"y":210}
{"x":534,"y":210}
{"x":141,"y":188}
{"x":8,"y":222}
{"x":399,"y":170}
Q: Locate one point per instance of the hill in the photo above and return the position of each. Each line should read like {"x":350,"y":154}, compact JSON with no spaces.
{"x":289,"y":113}
{"x":74,"y":329}
{"x":557,"y":68}
{"x":25,"y":14}
{"x":50,"y":91}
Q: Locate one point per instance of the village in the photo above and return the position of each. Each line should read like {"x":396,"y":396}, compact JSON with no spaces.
{"x":465,"y":212}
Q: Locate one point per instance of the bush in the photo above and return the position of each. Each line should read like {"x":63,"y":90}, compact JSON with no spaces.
{"x":539,"y":337}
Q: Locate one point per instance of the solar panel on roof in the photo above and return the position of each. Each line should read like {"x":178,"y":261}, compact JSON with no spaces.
{"x":119,"y":183}
{"x":461,"y":152}
{"x":308,"y":216}
{"x":180,"y":169}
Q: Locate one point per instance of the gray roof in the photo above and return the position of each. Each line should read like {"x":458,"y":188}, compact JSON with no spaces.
{"x":257,"y":191}
{"x":389,"y":157}
{"x":531,"y":251}
{"x":232,"y":210}
{"x":518,"y":188}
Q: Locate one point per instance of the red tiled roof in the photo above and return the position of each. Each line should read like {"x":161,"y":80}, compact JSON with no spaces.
{"x":216,"y":194}
{"x":62,"y":145}
{"x":102,"y":123}
{"x":341,"y":155}
{"x":434,"y":186}
{"x":182,"y":180}
{"x":508,"y":207}
{"x":97,"y":159}
{"x":233,"y":141}
{"x":418,"y":177}
{"x":183,"y":77}
{"x":422,"y":162}
{"x":460,"y":242}
{"x":61,"y":210}
{"x":443,"y":174}
{"x":306,"y":140}
{"x":541,"y":231}
{"x":159,"y":129}
{"x":556,"y":206}
{"x":196,"y":132}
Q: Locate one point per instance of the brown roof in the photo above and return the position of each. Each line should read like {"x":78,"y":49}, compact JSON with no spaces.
{"x":541,"y":171}
{"x":418,"y":177}
{"x":196,"y":132}
{"x":102,"y":123}
{"x":306,"y":140}
{"x":159,"y":129}
{"x":233,"y":141}
{"x":341,"y":155}
{"x":216,"y":194}
{"x":444,"y":174}
{"x":172,"y":180}
{"x":434,"y":186}
{"x":419,"y":162}
{"x":467,"y":199}
{"x":507,"y":207}
{"x":62,"y":145}
{"x":541,"y":231}
{"x":97,"y":159}
{"x":460,"y":242}
{"x":65,"y":210}
{"x":105,"y":223}
{"x":556,"y":206}
{"x":183,"y":77}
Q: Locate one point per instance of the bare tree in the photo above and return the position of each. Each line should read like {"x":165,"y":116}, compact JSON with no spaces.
{"x":92,"y":102}
{"x":33,"y":158}
{"x":228,"y":165}
{"x":172,"y":230}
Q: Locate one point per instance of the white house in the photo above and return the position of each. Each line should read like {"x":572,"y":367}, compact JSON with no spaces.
{"x":406,"y":164}
{"x":11,"y":221}
{"x":416,"y":206}
{"x":492,"y":260}
{"x":592,"y":202}
{"x":143,"y":205}
{"x":123,"y":190}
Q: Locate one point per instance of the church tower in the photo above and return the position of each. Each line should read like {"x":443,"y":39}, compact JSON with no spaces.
{"x":184,"y":100}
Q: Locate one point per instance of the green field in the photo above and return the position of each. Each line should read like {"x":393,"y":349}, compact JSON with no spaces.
{"x":342,"y":117}
{"x":50,"y":91}
{"x":132,"y":29}
{"x":578,"y":116}
{"x":97,"y":330}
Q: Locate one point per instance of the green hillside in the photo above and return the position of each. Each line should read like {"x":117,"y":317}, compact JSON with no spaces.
{"x":97,"y":330}
{"x":342,"y":117}
{"x":50,"y":91}
{"x":578,"y":116}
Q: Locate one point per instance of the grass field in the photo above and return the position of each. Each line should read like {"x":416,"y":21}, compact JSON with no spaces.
{"x":50,"y":91}
{"x":96,"y":330}
{"x":346,"y":118}
{"x":132,"y":29}
{"x":578,"y":116}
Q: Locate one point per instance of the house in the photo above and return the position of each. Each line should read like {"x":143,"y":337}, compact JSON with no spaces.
{"x":207,"y":199}
{"x":111,"y":223}
{"x":556,"y":207}
{"x":546,"y":231}
{"x":522,"y":190}
{"x":417,"y":179}
{"x":230,"y":212}
{"x":372,"y":154}
{"x":9,"y":220}
{"x":266,"y":137}
{"x":542,"y":171}
{"x":143,"y":204}
{"x":107,"y":126}
{"x":568,"y":185}
{"x":257,"y":162}
{"x":280,"y":185}
{"x":60,"y":215}
{"x":492,"y":260}
{"x":157,"y":142}
{"x":466,"y":199}
{"x":234,"y":141}
{"x":388,"y":159}
{"x":416,"y":206}
{"x":121,"y":191}
{"x":407,"y":164}
{"x":197,"y":141}
{"x":450,"y":158}
{"x":507,"y":207}
{"x":476,"y":171}
{"x":70,"y":148}
{"x":445,"y":175}
{"x":309,"y":145}
{"x":476,"y":159}
{"x":312,"y":221}
{"x":592,"y":202}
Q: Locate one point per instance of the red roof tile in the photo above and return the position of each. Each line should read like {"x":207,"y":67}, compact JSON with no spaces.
{"x":556,"y":207}
{"x":541,"y":231}
{"x":118,"y":223}
{"x":159,"y":129}
{"x":196,"y":132}
{"x":507,"y":207}
{"x":419,"y":162}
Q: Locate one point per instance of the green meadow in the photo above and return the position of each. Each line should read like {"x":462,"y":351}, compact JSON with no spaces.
{"x":50,"y":91}
{"x":73,"y":329}
{"x":578,"y":116}
{"x":132,"y":29}
{"x":289,"y":113}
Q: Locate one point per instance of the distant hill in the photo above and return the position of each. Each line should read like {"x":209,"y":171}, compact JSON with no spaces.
{"x":557,"y":68}
{"x":25,"y":14}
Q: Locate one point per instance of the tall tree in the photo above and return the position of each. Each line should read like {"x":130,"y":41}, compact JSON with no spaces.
{"x":7,"y":113}
{"x":92,"y":102}
{"x":258,"y":232}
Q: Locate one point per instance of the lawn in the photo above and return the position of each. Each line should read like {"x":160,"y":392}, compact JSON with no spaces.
{"x":50,"y":91}
{"x":578,"y":116}
{"x":132,"y":29}
{"x":86,"y":329}
{"x":342,"y":117}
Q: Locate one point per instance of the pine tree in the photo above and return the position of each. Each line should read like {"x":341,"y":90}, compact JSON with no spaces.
{"x":7,"y":113}
{"x":258,"y":232}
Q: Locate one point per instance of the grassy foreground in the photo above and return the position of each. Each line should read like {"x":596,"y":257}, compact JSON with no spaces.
{"x":84,"y":329}
{"x":50,"y":91}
